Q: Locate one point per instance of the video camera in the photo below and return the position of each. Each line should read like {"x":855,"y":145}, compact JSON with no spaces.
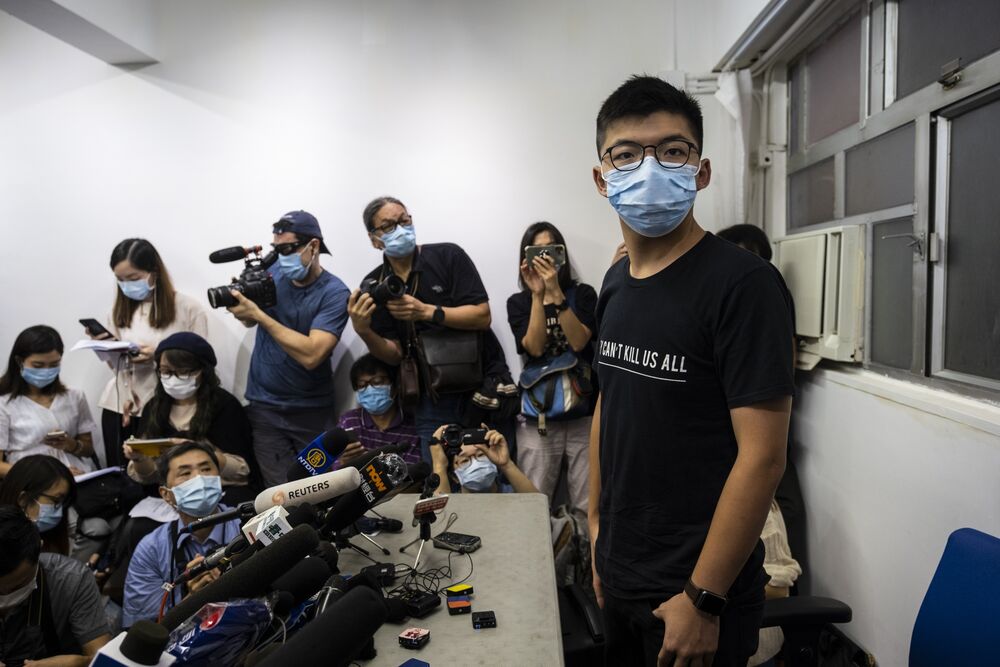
{"x":392,"y":287}
{"x":255,"y":283}
{"x":455,"y":436}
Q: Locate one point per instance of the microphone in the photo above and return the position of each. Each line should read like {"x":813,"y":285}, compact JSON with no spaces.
{"x":312,"y":490}
{"x":378,"y":479}
{"x":305,"y":578}
{"x":232,"y":254}
{"x":252,"y":578}
{"x":142,"y":645}
{"x":337,"y":635}
{"x":243,"y":512}
{"x":319,"y":455}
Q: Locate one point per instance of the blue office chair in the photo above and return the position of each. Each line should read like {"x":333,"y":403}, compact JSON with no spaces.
{"x":959,"y":619}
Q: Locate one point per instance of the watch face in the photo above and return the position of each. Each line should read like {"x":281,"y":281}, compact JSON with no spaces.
{"x":710,"y":604}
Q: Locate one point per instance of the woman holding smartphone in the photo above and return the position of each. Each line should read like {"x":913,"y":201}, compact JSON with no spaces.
{"x":551,"y":316}
{"x":38,"y":414}
{"x":147,"y":309}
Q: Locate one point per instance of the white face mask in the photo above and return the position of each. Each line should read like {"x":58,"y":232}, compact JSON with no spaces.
{"x":14,"y":598}
{"x":179,"y":389}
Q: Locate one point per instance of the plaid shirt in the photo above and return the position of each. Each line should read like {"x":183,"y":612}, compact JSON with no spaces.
{"x":401,"y":431}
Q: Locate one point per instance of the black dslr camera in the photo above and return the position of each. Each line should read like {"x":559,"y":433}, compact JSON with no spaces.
{"x":255,"y":283}
{"x":392,"y":287}
{"x":455,"y":436}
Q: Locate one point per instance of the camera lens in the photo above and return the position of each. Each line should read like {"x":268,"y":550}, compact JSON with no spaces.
{"x":219,"y":297}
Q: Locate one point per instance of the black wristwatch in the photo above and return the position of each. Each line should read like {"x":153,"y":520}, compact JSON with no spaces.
{"x":706,"y":601}
{"x":438,"y":316}
{"x":561,"y":306}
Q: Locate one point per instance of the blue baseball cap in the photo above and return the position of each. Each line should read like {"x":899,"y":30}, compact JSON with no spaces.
{"x":302,"y":224}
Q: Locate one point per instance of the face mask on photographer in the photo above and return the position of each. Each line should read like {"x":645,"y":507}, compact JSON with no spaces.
{"x":478,"y":474}
{"x":292,"y":266}
{"x":137,"y":290}
{"x":376,"y":399}
{"x":40,"y":377}
{"x":19,"y":595}
{"x":198,"y":496}
{"x":180,"y":389}
{"x":400,"y":242}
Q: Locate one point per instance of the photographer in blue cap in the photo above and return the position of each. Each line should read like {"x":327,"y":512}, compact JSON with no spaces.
{"x":290,"y":383}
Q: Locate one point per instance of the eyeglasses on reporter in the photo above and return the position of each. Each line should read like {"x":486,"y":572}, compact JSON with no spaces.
{"x":671,"y":153}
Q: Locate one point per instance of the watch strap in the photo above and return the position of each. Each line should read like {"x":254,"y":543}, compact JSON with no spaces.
{"x":704,"y":600}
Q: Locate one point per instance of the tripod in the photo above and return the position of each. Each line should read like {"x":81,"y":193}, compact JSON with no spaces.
{"x":425,"y":519}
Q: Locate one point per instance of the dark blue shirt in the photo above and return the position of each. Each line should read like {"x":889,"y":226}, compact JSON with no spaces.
{"x":275,"y":378}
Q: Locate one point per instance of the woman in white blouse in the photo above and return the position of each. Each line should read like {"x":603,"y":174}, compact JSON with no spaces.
{"x":147,"y":309}
{"x":38,"y":414}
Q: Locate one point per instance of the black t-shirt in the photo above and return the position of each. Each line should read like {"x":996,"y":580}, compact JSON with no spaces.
{"x":582,"y":300}
{"x":675,"y":352}
{"x":442,"y":275}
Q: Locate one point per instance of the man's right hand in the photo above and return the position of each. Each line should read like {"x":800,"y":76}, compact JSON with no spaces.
{"x":360,"y":307}
{"x":203,"y":579}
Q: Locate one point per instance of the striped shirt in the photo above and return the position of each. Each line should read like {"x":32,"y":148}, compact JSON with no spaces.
{"x":401,"y":431}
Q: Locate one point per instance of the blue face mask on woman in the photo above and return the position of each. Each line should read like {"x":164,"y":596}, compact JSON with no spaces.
{"x":198,"y":496}
{"x":49,"y":517}
{"x":478,"y":474}
{"x":652,"y":200}
{"x":376,"y":399}
{"x":40,"y":377}
{"x":137,"y":290}
{"x":400,"y":242}
{"x":292,"y":266}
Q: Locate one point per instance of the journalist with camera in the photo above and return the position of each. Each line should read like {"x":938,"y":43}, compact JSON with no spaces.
{"x":474,"y":460}
{"x":436,"y":323}
{"x":290,"y":381}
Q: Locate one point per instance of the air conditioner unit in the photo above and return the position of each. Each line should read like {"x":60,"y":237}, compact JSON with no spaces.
{"x":825,"y":272}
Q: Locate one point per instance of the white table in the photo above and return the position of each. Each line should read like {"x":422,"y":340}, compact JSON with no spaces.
{"x":513,"y":576}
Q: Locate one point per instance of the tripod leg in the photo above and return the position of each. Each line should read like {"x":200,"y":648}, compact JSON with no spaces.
{"x":416,"y":563}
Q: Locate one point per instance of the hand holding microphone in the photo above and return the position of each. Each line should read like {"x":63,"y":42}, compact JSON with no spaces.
{"x":204,"y":579}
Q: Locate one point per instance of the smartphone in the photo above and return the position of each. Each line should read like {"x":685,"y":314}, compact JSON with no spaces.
{"x":458,"y":542}
{"x":432,"y":504}
{"x":556,"y":251}
{"x":96,"y":329}
{"x":151,"y":448}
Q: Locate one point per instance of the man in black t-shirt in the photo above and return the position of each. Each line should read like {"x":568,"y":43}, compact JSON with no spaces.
{"x":443,"y":291}
{"x":694,"y":357}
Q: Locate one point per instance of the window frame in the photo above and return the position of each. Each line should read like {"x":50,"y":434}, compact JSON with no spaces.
{"x":930,"y":109}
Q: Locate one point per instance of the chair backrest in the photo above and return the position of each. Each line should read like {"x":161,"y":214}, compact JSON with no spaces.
{"x":959,"y":619}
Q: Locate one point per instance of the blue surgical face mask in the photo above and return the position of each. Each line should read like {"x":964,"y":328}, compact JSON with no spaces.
{"x":400,"y":242}
{"x":292,"y":266}
{"x":137,"y":290}
{"x":49,"y":517}
{"x":376,"y":399}
{"x":652,"y":200}
{"x":40,"y":377}
{"x":198,"y":496}
{"x":478,"y":474}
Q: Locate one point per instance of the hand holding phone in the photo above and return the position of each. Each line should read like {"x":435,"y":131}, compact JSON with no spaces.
{"x":96,"y":330}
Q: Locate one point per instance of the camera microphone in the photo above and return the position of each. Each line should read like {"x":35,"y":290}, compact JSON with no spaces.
{"x":232,"y":254}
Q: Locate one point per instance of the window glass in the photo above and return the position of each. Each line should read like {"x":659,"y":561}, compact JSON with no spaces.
{"x":810,"y":195}
{"x":892,"y":294}
{"x":880,"y":172}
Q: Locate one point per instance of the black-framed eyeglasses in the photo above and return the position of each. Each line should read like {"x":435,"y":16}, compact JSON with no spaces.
{"x":390,"y":227}
{"x":288,"y":248}
{"x":374,"y":382}
{"x":179,"y":373}
{"x":669,"y":153}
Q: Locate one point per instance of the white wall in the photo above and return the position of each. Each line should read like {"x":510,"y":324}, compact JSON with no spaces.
{"x":478,"y":115}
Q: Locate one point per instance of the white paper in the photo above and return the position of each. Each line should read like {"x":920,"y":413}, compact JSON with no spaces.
{"x":97,"y":473}
{"x":107,"y":350}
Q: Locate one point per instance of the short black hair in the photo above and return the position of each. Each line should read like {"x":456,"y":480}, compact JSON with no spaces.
{"x":163,"y":464}
{"x":19,"y":539}
{"x":644,"y":95}
{"x":750,"y":237}
{"x":369,"y":364}
{"x":374,"y":206}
